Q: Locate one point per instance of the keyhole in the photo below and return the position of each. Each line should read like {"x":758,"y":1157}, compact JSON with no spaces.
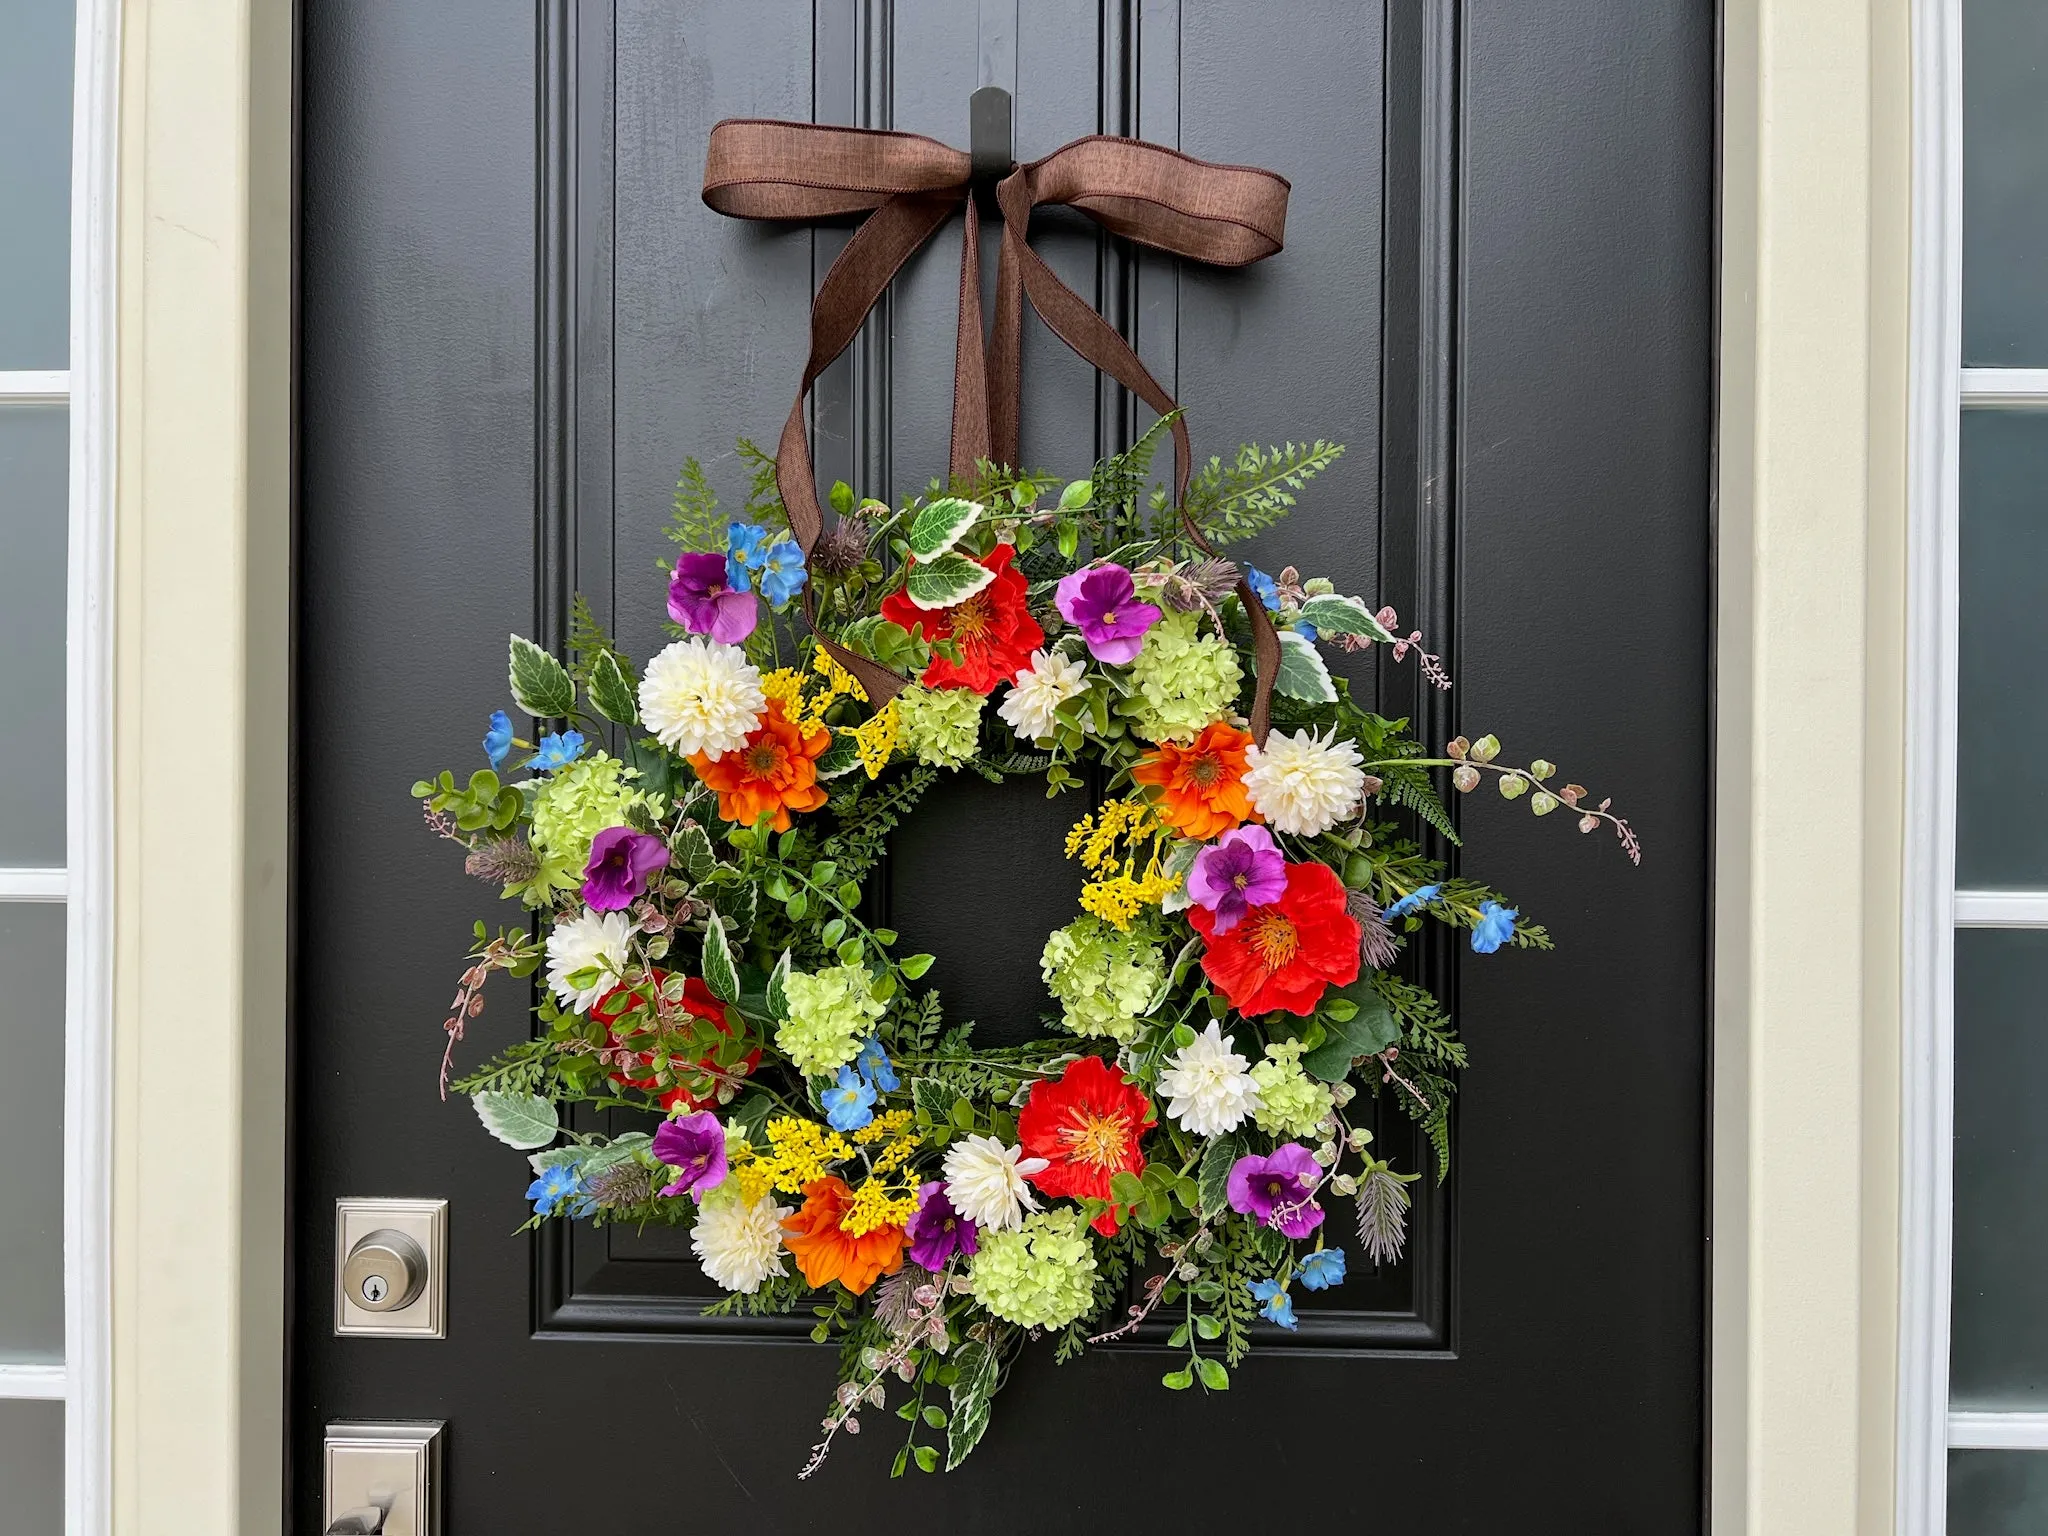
{"x":375,"y":1289}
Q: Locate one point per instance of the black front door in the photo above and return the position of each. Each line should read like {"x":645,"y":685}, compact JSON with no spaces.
{"x":519,"y":318}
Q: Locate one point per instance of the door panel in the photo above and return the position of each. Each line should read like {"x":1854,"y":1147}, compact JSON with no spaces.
{"x":518,"y":318}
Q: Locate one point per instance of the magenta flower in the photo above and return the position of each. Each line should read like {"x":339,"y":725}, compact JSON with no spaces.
{"x":621,"y":859}
{"x":694,"y":1146}
{"x":1103,"y":604}
{"x":938,"y":1231}
{"x":1242,"y":869}
{"x":701,"y":600}
{"x":1278,"y":1190}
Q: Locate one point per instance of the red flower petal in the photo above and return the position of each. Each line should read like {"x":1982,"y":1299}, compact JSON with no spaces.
{"x":1087,"y":1126}
{"x":994,"y":629}
{"x":1285,"y":955}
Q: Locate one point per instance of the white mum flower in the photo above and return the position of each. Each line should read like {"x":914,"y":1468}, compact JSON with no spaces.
{"x":985,"y":1182}
{"x":700,"y":696}
{"x":1041,"y":688}
{"x":593,"y":942}
{"x":1208,"y":1086}
{"x":1305,"y":783}
{"x":739,"y":1242}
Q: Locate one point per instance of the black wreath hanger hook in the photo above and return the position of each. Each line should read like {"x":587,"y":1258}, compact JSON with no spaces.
{"x":991,"y":142}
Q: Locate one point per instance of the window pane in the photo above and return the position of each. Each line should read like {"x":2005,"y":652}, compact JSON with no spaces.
{"x":1999,"y":1353}
{"x":1997,"y":1493}
{"x":34,"y":528}
{"x":2002,"y":727}
{"x":31,"y":1132}
{"x":2005,"y":183}
{"x":35,"y":183}
{"x":32,"y":1468}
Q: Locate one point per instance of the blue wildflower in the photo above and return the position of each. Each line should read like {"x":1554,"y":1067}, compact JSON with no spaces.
{"x":1279,"y":1306}
{"x":1263,"y":587}
{"x":743,"y":543}
{"x":781,"y":566}
{"x":1495,"y":927}
{"x":873,"y":1065}
{"x":498,"y":739}
{"x":556,"y":1187}
{"x":1414,"y":901}
{"x":849,"y":1102}
{"x":1321,"y":1269}
{"x":557,"y":750}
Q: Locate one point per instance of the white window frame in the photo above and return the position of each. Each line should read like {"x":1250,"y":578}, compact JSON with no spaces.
{"x":1933,"y":908}
{"x":85,"y":883}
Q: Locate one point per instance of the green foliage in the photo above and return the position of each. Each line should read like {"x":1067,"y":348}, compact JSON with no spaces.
{"x":588,"y":641}
{"x":764,"y":497}
{"x":483,"y":804}
{"x":694,"y":521}
{"x":868,"y":815}
{"x":1229,"y":502}
{"x":541,"y":685}
{"x":528,"y":1067}
{"x":1411,"y":790}
{"x":778,"y":1295}
{"x":1431,"y":1053}
{"x":1119,"y":480}
{"x":611,"y":690}
{"x":980,"y":1370}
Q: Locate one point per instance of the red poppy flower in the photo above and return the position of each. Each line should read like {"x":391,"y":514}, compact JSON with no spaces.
{"x":1086,"y":1126}
{"x":1284,"y":955}
{"x":613,"y":1010}
{"x":994,"y":630}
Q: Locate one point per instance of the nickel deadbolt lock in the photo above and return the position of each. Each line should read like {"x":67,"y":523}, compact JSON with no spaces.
{"x":385,"y":1271}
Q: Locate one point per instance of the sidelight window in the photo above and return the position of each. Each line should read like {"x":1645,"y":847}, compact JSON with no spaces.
{"x":56,"y":85}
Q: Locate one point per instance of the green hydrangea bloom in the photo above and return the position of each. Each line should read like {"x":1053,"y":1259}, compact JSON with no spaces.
{"x":941,"y":725}
{"x":1040,"y":1276}
{"x":830,"y":1014}
{"x":1182,"y":680}
{"x":1291,"y":1103}
{"x":1103,"y":978}
{"x":574,"y":804}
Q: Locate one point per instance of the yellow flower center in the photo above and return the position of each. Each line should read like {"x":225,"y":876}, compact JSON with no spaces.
{"x":1099,"y":1140}
{"x":973,"y":619}
{"x":1273,"y":936}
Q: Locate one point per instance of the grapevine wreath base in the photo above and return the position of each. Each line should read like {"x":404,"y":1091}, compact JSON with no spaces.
{"x":693,"y":841}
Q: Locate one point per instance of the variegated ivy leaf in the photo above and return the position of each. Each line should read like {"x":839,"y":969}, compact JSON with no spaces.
{"x":693,"y":853}
{"x":841,"y":758}
{"x":941,"y":525}
{"x":778,"y":993}
{"x":1335,"y":615}
{"x":720,"y":975}
{"x":951,"y":578}
{"x":540,"y":684}
{"x":610,"y":693}
{"x":1302,"y":674}
{"x":522,"y":1120}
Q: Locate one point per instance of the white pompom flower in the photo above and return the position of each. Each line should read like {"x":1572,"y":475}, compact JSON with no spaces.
{"x":590,"y":948}
{"x":739,"y":1241}
{"x":1041,"y":688}
{"x":700,"y":696}
{"x":985,"y":1182}
{"x":1208,"y":1087}
{"x":1305,"y":783}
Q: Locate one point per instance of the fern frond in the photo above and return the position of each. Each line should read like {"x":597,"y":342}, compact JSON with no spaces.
{"x":587,"y":639}
{"x":694,"y":522}
{"x":764,"y":497}
{"x":1252,"y":493}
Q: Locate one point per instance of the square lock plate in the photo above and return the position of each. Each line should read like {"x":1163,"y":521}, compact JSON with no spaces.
{"x":384,"y":1478}
{"x":425,"y":1223}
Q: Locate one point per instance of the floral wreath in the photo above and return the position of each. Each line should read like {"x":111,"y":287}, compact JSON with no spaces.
{"x":694,"y":840}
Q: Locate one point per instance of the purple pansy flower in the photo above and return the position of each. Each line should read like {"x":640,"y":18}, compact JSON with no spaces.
{"x":938,"y":1231}
{"x":1278,"y":1190}
{"x":1103,"y":604}
{"x":702,"y":599}
{"x":621,"y":859}
{"x":694,"y":1147}
{"x":1242,"y":869}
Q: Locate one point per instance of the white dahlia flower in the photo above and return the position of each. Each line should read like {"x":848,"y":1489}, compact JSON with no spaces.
{"x":1304,"y":783}
{"x":739,"y":1242}
{"x":700,"y":696}
{"x":1048,"y":682}
{"x":985,"y":1182}
{"x":1208,"y":1086}
{"x":591,"y":947}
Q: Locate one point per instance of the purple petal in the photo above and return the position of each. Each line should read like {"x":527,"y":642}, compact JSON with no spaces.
{"x":733,"y":616}
{"x":1117,"y":650}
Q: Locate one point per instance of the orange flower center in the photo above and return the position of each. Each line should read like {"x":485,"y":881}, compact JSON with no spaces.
{"x":973,"y":619}
{"x":765,"y":758}
{"x":1099,"y":1140}
{"x":1273,"y":936}
{"x":1203,"y":770}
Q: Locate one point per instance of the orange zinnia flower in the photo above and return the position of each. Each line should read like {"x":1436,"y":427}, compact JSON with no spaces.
{"x":776,"y":772}
{"x":1201,"y":785}
{"x":822,"y":1248}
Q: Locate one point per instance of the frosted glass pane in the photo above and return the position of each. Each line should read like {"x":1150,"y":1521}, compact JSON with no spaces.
{"x":2002,"y":762}
{"x":1997,"y":1493}
{"x":31,"y":1468}
{"x":35,"y":183}
{"x":31,"y":1132}
{"x":34,"y":527}
{"x":2005,"y":183}
{"x":1999,"y":1349}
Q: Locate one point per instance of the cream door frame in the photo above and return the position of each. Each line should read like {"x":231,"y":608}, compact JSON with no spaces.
{"x":1810,"y":746}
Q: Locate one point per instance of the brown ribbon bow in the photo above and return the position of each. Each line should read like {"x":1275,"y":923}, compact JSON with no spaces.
{"x":909,"y":185}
